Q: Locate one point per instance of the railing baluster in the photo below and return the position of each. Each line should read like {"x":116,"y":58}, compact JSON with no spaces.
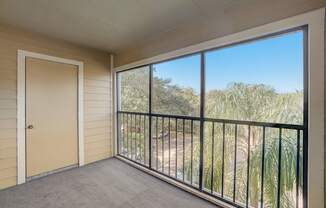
{"x":150,"y":135}
{"x":176,"y":148}
{"x":150,"y":152}
{"x":119,"y":132}
{"x":139,"y":131}
{"x":235,"y":161}
{"x":122,"y":127}
{"x":128,"y":152}
{"x":223,"y":149}
{"x":123,"y":132}
{"x":169,"y":146}
{"x":262,"y":170}
{"x":297,"y":175}
{"x":163,"y":144}
{"x":248,"y":167}
{"x":144,"y":138}
{"x":192,"y":149}
{"x":183,"y":150}
{"x":212,"y":159}
{"x":305,"y":167}
{"x":156,"y":143}
{"x":132,"y":136}
{"x":150,"y":143}
{"x":136,"y":138}
{"x":279,"y":168}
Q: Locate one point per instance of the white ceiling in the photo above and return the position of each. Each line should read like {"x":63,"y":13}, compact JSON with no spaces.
{"x":111,"y":25}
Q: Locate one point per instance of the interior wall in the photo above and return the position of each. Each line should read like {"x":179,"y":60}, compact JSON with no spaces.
{"x":97,"y":95}
{"x":228,"y":21}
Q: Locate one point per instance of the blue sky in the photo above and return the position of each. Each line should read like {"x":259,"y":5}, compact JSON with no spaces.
{"x":277,"y":62}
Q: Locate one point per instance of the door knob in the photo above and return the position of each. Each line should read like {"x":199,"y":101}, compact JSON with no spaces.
{"x":30,"y":126}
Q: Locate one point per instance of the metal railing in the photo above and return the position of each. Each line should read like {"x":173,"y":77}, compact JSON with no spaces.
{"x":244,"y":163}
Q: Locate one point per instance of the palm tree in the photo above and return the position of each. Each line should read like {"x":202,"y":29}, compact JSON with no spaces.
{"x":254,"y":103}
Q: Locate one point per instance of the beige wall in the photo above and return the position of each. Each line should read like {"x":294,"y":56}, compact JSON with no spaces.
{"x":231,"y":20}
{"x":96,"y":95}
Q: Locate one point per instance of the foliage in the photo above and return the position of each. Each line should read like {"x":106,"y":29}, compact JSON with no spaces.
{"x":239,"y":101}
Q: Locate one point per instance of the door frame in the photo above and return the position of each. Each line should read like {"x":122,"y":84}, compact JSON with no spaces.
{"x":21,"y":107}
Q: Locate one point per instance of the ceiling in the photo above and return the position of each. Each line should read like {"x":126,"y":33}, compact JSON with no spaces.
{"x":110,"y":25}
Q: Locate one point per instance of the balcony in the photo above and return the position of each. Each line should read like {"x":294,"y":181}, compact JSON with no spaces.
{"x":166,"y":116}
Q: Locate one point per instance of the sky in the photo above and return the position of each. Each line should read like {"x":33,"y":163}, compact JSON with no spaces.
{"x":275,"y":61}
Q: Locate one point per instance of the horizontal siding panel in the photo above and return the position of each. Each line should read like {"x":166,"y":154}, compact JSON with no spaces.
{"x":8,"y":133}
{"x":8,"y":63}
{"x":7,"y":163}
{"x":98,"y":131}
{"x":8,"y":153}
{"x":96,"y":97}
{"x":97,"y":76}
{"x":97,"y":157}
{"x":99,"y":139}
{"x":96,"y":118}
{"x":8,"y":143}
{"x":96,"y":104}
{"x":89,"y":114}
{"x":98,"y":149}
{"x":96,"y":124}
{"x":94,"y":158}
{"x":98,"y":110}
{"x":8,"y":182}
{"x":96,"y":137}
{"x":105,"y":119}
{"x":97,"y":90}
{"x":8,"y":173}
{"x":96,"y":83}
{"x":99,"y":128}
{"x":8,"y":73}
{"x":8,"y":113}
{"x":8,"y":84}
{"x":104,"y":142}
{"x":8,"y":94}
{"x":93,"y":152}
{"x":8,"y":104}
{"x":8,"y":123}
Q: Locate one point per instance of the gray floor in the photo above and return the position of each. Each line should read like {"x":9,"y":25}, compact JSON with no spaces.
{"x":110,"y":183}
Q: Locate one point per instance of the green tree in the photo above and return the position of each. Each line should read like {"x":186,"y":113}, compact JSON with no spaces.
{"x":239,"y":101}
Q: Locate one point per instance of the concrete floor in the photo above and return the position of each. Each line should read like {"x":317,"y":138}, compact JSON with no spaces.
{"x":110,"y":183}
